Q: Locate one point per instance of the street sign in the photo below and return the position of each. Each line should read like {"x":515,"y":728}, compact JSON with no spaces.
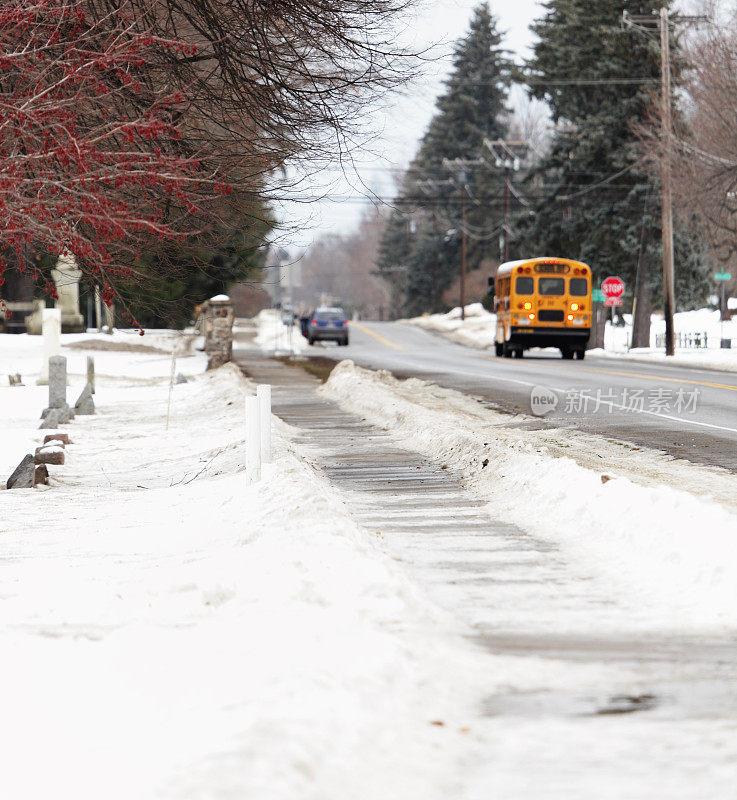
{"x":612,"y":287}
{"x":613,"y":301}
{"x":722,"y":276}
{"x":597,"y":295}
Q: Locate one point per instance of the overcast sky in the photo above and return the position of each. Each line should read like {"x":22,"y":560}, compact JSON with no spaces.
{"x":397,"y":129}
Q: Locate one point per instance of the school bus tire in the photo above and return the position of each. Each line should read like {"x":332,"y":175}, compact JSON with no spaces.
{"x":498,"y":349}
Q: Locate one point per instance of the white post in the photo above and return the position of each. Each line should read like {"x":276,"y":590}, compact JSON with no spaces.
{"x":253,"y":441}
{"x":263,"y":393}
{"x":171,"y":384}
{"x":51,"y":329}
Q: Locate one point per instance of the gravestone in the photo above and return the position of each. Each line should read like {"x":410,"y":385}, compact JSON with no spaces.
{"x":22,"y":477}
{"x":51,"y":340}
{"x":50,"y":454}
{"x":85,"y":404}
{"x":57,"y":382}
{"x":52,"y":419}
{"x":41,"y":475}
{"x":66,"y":277}
{"x":91,"y":372}
{"x":58,"y":411}
{"x":60,"y":437}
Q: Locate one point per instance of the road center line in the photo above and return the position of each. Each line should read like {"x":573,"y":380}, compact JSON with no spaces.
{"x":377,"y":336}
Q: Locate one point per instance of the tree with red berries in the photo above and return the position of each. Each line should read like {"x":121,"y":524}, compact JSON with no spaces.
{"x":134,"y":128}
{"x":89,"y":156}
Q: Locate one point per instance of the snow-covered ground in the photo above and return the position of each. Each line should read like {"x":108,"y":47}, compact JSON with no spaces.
{"x":671,"y":551}
{"x":479,"y":328}
{"x":275,"y":337}
{"x":168,"y":631}
{"x":632,"y":563}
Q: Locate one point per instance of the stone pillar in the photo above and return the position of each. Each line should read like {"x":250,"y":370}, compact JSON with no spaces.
{"x":51,"y":340}
{"x":109,"y":317}
{"x":98,"y":309}
{"x":66,"y":277}
{"x":217,"y":316}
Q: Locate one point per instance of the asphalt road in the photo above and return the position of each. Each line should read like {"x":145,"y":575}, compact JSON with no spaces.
{"x":689,"y":413}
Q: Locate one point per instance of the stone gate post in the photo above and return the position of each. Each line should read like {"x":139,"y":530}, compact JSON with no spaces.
{"x":216,"y":325}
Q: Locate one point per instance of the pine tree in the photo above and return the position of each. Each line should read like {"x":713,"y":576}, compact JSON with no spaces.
{"x":593,"y":196}
{"x":422,"y":240}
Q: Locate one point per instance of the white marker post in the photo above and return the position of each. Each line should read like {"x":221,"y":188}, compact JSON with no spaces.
{"x":171,"y":385}
{"x":253,"y":440}
{"x":51,"y":330}
{"x":263,"y":393}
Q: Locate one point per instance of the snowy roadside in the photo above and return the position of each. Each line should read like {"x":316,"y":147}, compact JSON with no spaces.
{"x":171,"y":632}
{"x":273,"y":336}
{"x":479,"y":328}
{"x":672,"y":551}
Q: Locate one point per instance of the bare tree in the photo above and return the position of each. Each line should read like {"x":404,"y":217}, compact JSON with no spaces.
{"x":704,"y":146}
{"x":340,"y":269}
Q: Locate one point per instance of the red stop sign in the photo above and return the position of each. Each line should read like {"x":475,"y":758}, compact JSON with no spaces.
{"x":612,"y":287}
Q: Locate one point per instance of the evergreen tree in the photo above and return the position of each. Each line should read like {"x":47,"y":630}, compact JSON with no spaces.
{"x":593,"y":196}
{"x":197,"y":269}
{"x":422,"y":242}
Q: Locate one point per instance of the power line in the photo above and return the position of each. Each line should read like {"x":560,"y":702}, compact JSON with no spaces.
{"x":593,"y":186}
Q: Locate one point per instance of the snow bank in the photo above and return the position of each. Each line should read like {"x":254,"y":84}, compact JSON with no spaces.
{"x":169,"y":631}
{"x":704,"y":322}
{"x":675,"y":553}
{"x":274,"y":336}
{"x":477,"y":330}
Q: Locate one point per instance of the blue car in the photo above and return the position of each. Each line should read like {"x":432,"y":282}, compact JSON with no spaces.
{"x":328,"y":325}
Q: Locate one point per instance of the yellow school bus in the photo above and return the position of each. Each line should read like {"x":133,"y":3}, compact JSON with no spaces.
{"x":543,"y":302}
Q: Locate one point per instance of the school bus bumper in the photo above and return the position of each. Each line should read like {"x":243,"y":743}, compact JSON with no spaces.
{"x":529,"y":336}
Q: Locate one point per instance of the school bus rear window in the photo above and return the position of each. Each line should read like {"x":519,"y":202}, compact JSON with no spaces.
{"x":579,"y":287}
{"x":552,"y":286}
{"x":524,"y":286}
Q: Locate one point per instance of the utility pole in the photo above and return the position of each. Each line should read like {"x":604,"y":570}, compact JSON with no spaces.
{"x":460,"y":165}
{"x":463,"y":246}
{"x":508,"y":156}
{"x":669,"y":299}
{"x":663,"y":22}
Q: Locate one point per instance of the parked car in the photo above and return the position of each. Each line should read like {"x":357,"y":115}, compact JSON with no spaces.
{"x":326,"y":325}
